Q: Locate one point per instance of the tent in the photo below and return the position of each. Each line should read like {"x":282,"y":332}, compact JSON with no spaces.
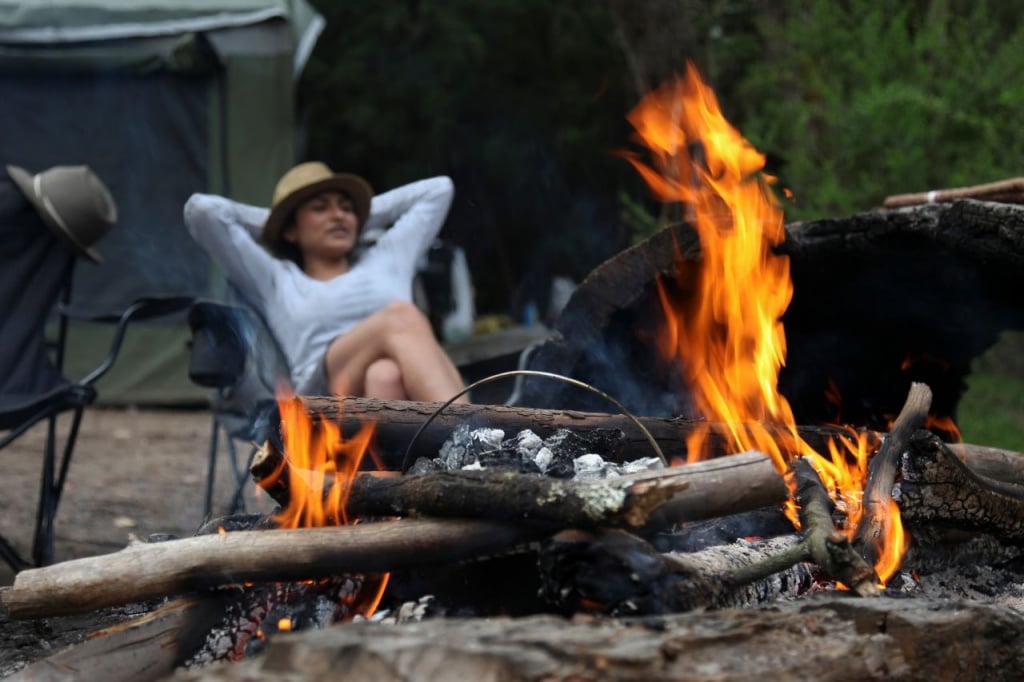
{"x":161,"y":98}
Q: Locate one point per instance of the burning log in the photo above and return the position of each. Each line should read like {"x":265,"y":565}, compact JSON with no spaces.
{"x":821,"y":543}
{"x":144,"y":571}
{"x":882,"y":472}
{"x":727,"y":485}
{"x":397,"y":421}
{"x":616,"y":572}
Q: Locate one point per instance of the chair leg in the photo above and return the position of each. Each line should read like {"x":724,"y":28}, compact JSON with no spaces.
{"x":51,"y":486}
{"x":42,"y":541}
{"x":238,"y":501}
{"x":211,"y":467}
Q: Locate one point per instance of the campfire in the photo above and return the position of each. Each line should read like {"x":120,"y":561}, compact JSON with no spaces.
{"x":605,"y":543}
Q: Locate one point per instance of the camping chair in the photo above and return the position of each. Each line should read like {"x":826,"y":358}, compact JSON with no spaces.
{"x":35,"y":281}
{"x":234,"y":353}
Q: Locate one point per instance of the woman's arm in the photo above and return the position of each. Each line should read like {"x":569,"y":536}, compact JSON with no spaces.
{"x":229,"y":232}
{"x":418,"y":211}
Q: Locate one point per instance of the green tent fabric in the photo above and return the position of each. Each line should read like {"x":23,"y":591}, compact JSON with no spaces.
{"x":161,"y":98}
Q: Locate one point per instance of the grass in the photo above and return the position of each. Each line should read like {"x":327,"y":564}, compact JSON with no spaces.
{"x":992,"y":410}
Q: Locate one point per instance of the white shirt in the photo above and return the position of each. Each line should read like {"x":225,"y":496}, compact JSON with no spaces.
{"x":304,"y":314}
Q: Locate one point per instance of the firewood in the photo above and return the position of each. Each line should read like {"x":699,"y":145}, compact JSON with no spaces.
{"x":145,"y":647}
{"x":939,"y":491}
{"x":882,"y":472}
{"x":821,"y":543}
{"x":615,"y":572}
{"x":397,"y":421}
{"x":727,"y":485}
{"x":144,"y":571}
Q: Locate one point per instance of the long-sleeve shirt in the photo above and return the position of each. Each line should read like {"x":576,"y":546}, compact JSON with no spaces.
{"x":304,"y":314}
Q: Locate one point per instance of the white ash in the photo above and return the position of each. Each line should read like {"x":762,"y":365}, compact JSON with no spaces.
{"x":465,"y":447}
{"x":407,"y":612}
{"x":590,"y":467}
{"x":564,"y":454}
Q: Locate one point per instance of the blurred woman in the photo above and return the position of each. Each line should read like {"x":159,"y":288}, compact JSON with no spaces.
{"x":344,"y":316}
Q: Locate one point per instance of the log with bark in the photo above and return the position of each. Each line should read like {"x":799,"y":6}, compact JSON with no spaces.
{"x":828,"y":640}
{"x":144,"y":571}
{"x":727,"y":485}
{"x":938,"y":491}
{"x":397,"y":421}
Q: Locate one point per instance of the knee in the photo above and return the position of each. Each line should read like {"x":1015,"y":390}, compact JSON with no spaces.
{"x":384,"y":380}
{"x":405,"y":317}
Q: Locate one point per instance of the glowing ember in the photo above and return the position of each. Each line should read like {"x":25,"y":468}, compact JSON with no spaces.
{"x":728,"y":335}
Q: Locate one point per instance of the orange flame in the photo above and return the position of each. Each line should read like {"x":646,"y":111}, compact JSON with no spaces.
{"x":321,"y":465}
{"x":727,"y":334}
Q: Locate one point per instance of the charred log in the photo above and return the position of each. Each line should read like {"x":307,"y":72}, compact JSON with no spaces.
{"x":939,"y":491}
{"x":870,"y":535}
{"x":954,"y":269}
{"x":703,"y":490}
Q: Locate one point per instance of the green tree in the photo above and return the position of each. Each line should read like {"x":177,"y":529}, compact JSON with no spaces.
{"x":860,"y":99}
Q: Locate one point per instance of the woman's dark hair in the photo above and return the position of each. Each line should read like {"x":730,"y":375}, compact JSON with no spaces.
{"x":287,"y":250}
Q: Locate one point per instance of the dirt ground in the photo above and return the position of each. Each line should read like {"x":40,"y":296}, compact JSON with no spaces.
{"x":133,"y":473}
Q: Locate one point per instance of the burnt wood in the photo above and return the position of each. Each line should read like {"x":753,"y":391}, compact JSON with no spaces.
{"x":881,"y":299}
{"x":939,"y":491}
{"x":727,"y":485}
{"x":870,"y":536}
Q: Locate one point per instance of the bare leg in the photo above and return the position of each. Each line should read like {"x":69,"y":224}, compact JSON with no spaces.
{"x":384,"y":380}
{"x":402,"y":334}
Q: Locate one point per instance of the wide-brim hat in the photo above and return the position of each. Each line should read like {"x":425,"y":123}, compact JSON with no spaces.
{"x":73,"y":202}
{"x":307,"y":180}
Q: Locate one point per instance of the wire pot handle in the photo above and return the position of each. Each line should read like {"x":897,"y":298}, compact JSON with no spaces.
{"x":535,"y":373}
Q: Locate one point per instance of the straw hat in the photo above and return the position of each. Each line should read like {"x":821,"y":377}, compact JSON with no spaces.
{"x":307,"y":180}
{"x":73,"y":202}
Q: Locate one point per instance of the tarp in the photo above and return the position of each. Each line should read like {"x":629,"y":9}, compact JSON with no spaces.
{"x":161,"y":98}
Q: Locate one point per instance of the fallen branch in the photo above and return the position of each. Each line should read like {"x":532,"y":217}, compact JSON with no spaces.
{"x":822,"y":544}
{"x":144,"y":571}
{"x":870,"y":536}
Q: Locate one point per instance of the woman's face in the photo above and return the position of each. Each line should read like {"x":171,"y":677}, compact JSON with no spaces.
{"x":325,"y":226}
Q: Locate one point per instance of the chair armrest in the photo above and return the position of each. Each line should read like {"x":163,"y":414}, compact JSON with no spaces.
{"x":143,"y":308}
{"x":140,"y":309}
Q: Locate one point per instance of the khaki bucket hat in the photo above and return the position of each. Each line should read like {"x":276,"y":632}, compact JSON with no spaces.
{"x":307,"y":180}
{"x":73,"y":202}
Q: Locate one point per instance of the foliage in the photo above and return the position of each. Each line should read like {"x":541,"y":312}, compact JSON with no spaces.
{"x":860,"y":99}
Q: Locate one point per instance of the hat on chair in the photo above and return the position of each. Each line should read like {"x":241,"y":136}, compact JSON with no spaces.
{"x":307,"y":180}
{"x":73,"y":202}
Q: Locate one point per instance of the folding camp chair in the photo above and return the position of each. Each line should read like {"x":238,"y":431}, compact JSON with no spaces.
{"x":234,"y":353}
{"x":35,"y":282}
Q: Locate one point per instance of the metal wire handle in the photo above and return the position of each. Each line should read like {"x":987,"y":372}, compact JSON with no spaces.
{"x":535,"y":373}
